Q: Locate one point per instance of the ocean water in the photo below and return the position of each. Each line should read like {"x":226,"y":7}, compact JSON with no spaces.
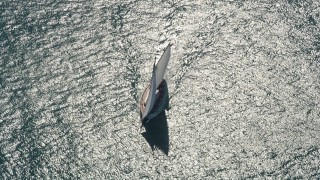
{"x":243,"y":80}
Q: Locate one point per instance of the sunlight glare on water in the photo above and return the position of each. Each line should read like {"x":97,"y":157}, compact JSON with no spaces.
{"x":243,"y":81}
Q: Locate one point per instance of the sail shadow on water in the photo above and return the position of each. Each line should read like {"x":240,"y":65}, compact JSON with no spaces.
{"x":157,"y":133}
{"x":154,"y":102}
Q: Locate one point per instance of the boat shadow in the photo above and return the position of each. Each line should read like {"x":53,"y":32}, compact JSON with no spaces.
{"x":157,"y":133}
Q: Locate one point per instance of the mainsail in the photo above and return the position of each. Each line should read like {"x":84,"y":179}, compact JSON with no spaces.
{"x":162,"y":65}
{"x":157,"y":76}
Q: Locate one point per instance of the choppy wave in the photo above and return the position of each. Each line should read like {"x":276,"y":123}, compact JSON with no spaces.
{"x":243,"y":83}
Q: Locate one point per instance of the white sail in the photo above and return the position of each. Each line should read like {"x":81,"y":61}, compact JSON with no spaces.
{"x":157,"y":76}
{"x":162,"y":65}
{"x":152,"y":94}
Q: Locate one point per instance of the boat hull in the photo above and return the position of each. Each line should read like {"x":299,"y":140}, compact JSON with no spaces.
{"x":161,"y":102}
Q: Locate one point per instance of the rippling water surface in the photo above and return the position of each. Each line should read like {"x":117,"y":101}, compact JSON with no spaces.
{"x":243,"y":81}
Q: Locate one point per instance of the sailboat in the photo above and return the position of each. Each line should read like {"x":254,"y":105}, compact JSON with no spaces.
{"x":155,"y":97}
